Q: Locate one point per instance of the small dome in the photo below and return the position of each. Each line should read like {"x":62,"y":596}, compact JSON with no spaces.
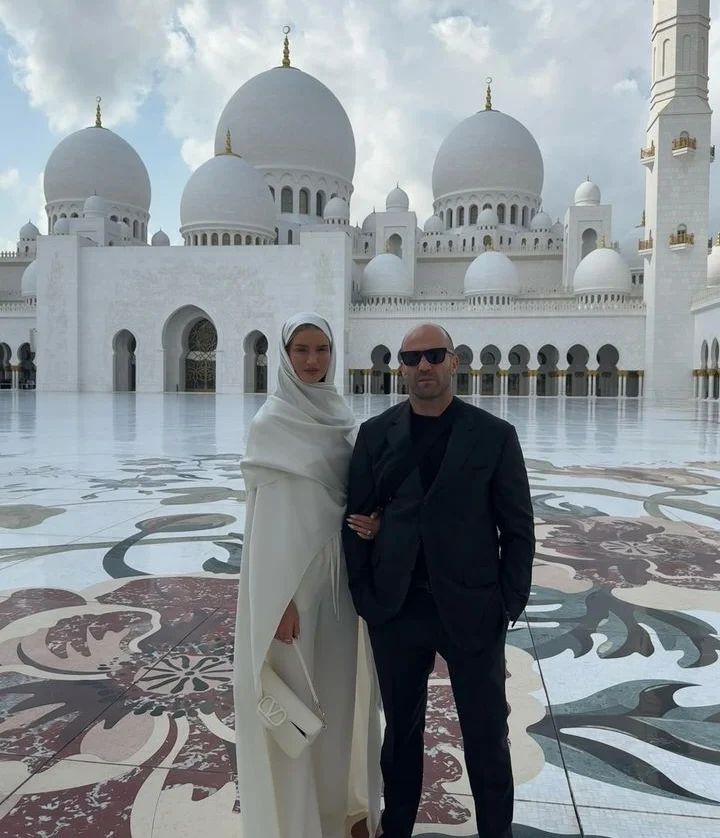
{"x":28,"y":232}
{"x":96,"y":160}
{"x":714,"y":264}
{"x":386,"y":275}
{"x":541,"y":222}
{"x":226,"y":191}
{"x":62,"y":227}
{"x":603,"y":270}
{"x":491,"y":273}
{"x":487,"y":218}
{"x":369,"y":225}
{"x":160,"y":239}
{"x":587,"y":194}
{"x":95,"y":207}
{"x":558,"y":230}
{"x":337,"y":208}
{"x":28,"y":283}
{"x":397,"y":200}
{"x":434,"y":224}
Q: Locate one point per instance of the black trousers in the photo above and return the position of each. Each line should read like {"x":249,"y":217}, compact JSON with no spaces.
{"x":404,"y":649}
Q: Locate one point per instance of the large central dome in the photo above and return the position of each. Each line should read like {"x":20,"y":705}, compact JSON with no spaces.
{"x":488,"y":152}
{"x":284,"y":118}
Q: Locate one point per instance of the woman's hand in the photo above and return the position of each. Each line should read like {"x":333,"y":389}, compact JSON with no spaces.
{"x":366,"y":526}
{"x":289,"y":627}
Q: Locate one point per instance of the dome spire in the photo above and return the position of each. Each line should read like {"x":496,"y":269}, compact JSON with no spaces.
{"x":286,"y":47}
{"x":488,"y":94}
{"x":98,"y":113}
{"x":228,"y":143}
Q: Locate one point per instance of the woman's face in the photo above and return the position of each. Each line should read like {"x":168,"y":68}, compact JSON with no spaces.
{"x":309,"y":352}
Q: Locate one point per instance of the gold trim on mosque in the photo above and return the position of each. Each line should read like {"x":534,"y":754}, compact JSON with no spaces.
{"x":286,"y":46}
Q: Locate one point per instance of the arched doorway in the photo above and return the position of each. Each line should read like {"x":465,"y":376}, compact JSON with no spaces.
{"x":715,"y":371}
{"x":518,"y":381}
{"x":490,"y":371}
{"x":26,"y":377}
{"x":381,"y":375}
{"x":463,"y":379}
{"x":124,"y":346}
{"x":394,"y":245}
{"x":705,"y":380}
{"x":5,"y":367}
{"x":256,"y":363}
{"x":576,"y":378}
{"x":190,"y":342}
{"x":607,"y":377}
{"x":589,"y":241}
{"x":547,"y":370}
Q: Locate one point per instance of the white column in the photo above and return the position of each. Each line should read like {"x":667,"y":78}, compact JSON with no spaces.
{"x":15,"y":377}
{"x":503,"y":383}
{"x":592,"y":384}
{"x":641,"y":383}
{"x":622,"y":382}
{"x":533,"y":384}
{"x":366,"y":379}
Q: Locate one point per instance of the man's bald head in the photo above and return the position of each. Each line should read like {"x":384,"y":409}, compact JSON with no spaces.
{"x":428,"y":334}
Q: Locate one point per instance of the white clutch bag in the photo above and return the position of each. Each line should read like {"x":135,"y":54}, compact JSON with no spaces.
{"x":291,"y":723}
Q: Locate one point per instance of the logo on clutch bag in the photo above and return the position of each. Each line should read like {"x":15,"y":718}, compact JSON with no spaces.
{"x":272,"y":712}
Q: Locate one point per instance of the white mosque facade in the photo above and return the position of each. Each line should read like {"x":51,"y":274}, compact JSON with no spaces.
{"x":536,"y":307}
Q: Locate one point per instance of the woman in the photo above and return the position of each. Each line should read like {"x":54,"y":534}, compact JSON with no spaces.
{"x":293,"y":588}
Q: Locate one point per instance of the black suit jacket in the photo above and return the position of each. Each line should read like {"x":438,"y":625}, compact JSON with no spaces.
{"x":476,"y":524}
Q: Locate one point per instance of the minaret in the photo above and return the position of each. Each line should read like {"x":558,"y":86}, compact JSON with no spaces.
{"x":677,"y":157}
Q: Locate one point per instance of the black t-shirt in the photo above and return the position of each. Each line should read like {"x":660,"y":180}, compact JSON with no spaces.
{"x":420,"y":427}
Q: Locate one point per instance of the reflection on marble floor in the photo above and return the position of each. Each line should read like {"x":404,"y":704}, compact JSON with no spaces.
{"x":121,"y":521}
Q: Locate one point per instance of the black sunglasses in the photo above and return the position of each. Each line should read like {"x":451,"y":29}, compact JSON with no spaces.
{"x":412,"y":357}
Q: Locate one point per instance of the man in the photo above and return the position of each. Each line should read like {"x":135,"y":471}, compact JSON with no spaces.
{"x":449,"y":568}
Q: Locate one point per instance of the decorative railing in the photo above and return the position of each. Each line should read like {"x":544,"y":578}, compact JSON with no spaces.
{"x":13,"y":254}
{"x":26,"y":307}
{"x":462,"y":307}
{"x":682,"y":237}
{"x":645,"y":244}
{"x":706,"y":295}
{"x":649,"y":152}
{"x":684,"y":142}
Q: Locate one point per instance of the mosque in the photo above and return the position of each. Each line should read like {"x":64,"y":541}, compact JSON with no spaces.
{"x":536,"y":306}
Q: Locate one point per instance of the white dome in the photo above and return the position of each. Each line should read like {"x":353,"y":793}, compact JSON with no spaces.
{"x":62,"y":227}
{"x":97,"y":161}
{"x":386,"y":275}
{"x":603,"y":270}
{"x":160,"y":239}
{"x":558,"y":229}
{"x":226,"y":191}
{"x":337,"y":208}
{"x":95,"y":207}
{"x":28,"y":232}
{"x":587,"y":194}
{"x":487,"y":218}
{"x":491,"y":273}
{"x":434,"y":224}
{"x":284,"y":118}
{"x":541,"y":221}
{"x":28,"y":283}
{"x":397,"y":200}
{"x":714,"y":265}
{"x":369,"y":225}
{"x":488,"y":151}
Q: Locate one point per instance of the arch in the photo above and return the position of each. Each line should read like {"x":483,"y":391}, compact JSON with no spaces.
{"x":524,"y":219}
{"x":114,"y":218}
{"x":547,"y":379}
{"x":189,"y":341}
{"x":124,"y":346}
{"x":394,"y":245}
{"x":380,"y":375}
{"x":518,"y":378}
{"x":589,"y":241}
{"x":226,"y":238}
{"x":490,"y":358}
{"x":536,"y":243}
{"x":204,"y":238}
{"x":256,"y":362}
{"x":135,"y":229}
{"x":257,"y":239}
{"x":666,"y":57}
{"x":304,"y":201}
{"x":576,"y":378}
{"x":463,"y":378}
{"x":487,"y":242}
{"x":5,"y":367}
{"x":272,"y":191}
{"x":486,"y":205}
{"x":142,"y":231}
{"x":449,"y":219}
{"x":286,"y":199}
{"x":195,"y":238}
{"x":714,"y":364}
{"x":290,"y":237}
{"x":513,"y":214}
{"x":320,"y":203}
{"x":237,"y":239}
{"x":26,"y":364}
{"x":685,"y":54}
{"x":214,"y":239}
{"x":501,"y":213}
{"x":461,"y":217}
{"x":607,"y":383}
{"x":473,"y":214}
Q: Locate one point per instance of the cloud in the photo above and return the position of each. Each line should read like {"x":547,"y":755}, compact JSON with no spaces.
{"x":25,"y":198}
{"x":9,"y":178}
{"x":461,"y":36}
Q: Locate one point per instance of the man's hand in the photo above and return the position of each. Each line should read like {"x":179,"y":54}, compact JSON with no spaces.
{"x":289,"y":627}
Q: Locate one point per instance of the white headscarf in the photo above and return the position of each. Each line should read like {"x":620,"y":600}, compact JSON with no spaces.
{"x":302,"y":429}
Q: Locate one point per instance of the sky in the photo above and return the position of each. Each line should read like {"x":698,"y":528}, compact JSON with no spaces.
{"x":575,"y":73}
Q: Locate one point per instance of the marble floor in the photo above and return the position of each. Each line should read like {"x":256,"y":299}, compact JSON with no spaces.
{"x":121,"y":529}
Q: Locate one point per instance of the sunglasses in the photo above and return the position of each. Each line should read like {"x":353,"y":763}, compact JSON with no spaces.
{"x":412,"y":357}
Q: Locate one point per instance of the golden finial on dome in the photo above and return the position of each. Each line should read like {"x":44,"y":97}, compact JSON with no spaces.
{"x":488,"y":94}
{"x":98,"y":113}
{"x":228,"y":143}
{"x":286,"y":47}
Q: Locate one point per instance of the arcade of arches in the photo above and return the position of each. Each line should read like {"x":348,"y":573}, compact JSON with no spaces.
{"x":18,"y":372}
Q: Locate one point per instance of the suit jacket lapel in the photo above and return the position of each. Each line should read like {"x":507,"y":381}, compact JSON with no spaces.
{"x":399,"y":439}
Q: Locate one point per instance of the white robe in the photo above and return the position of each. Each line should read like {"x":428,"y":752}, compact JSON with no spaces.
{"x":282,"y":541}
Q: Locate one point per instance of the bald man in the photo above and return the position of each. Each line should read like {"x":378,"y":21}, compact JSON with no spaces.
{"x":450,"y":567}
